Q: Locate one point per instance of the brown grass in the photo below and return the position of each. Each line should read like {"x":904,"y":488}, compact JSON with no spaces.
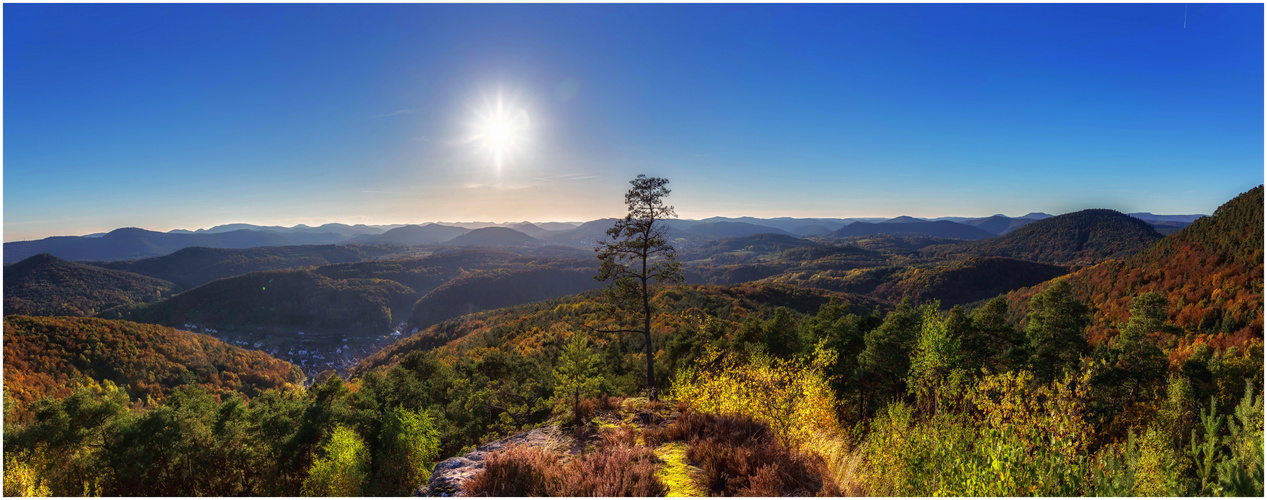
{"x":519,"y":471}
{"x":625,"y":435}
{"x":617,"y":470}
{"x":742,"y":457}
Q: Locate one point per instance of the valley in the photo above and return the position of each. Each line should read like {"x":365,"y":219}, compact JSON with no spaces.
{"x":472,"y":332}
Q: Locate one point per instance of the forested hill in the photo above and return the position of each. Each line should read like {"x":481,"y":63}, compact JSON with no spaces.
{"x":1210,"y":272}
{"x":370,"y":296}
{"x":1074,"y":239}
{"x":301,"y":298}
{"x":940,"y":229}
{"x":45,"y":285}
{"x":193,"y":266}
{"x":529,"y":327}
{"x":45,"y":356}
{"x":483,"y":290}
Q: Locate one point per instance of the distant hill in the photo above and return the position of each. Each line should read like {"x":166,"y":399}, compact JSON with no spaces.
{"x":586,"y":235}
{"x":133,"y":243}
{"x":998,"y":224}
{"x":293,"y":297}
{"x":43,"y":356}
{"x":429,"y":234}
{"x":343,"y":230}
{"x":1073,"y":239}
{"x":952,"y":283}
{"x":44,"y":285}
{"x":369,"y":296}
{"x":732,"y":229}
{"x":193,"y":266}
{"x":1211,"y":274}
{"x":532,"y":230}
{"x":557,"y":226}
{"x":757,"y":243}
{"x":498,"y":288}
{"x":493,"y":237}
{"x":940,"y":229}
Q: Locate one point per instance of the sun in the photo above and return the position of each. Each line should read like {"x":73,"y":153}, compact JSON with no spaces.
{"x":501,"y":130}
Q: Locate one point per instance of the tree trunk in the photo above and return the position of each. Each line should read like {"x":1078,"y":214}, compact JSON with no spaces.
{"x":646,"y":332}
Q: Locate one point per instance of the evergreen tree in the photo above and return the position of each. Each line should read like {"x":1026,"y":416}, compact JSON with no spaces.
{"x":639,"y":255}
{"x":576,"y":374}
{"x":1057,"y":321}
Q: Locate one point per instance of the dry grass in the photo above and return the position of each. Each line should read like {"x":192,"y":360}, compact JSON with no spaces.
{"x":625,"y":435}
{"x":742,"y":457}
{"x":519,"y":471}
{"x":615,"y":470}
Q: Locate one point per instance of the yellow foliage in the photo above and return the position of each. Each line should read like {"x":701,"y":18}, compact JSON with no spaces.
{"x":21,"y":479}
{"x":791,"y":396}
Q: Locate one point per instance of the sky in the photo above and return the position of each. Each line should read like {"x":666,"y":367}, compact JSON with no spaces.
{"x":189,"y":116}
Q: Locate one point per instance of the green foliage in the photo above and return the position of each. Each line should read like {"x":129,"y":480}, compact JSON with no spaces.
{"x":1055,"y":331}
{"x":343,"y":469}
{"x":576,"y":375}
{"x":408,"y":447}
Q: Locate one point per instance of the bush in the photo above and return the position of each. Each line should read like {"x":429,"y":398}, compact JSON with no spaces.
{"x":741,"y":456}
{"x":343,"y":470}
{"x":792,"y":397}
{"x":519,"y":471}
{"x":613,"y":471}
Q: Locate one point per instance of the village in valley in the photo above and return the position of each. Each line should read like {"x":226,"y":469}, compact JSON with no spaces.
{"x":313,"y":352}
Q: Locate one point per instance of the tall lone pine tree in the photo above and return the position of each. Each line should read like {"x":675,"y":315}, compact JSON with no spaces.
{"x":638,"y":255}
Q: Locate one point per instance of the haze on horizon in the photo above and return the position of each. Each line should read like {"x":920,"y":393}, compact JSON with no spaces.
{"x":191,"y":116}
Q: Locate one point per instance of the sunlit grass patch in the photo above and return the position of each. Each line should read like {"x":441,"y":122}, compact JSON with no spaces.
{"x":676,"y":474}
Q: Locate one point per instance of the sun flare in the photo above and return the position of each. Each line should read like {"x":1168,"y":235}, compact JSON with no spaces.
{"x":501,"y":130}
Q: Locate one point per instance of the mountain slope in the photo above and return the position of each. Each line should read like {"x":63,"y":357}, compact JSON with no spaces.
{"x":301,"y":298}
{"x":1211,"y":274}
{"x":498,"y":288}
{"x":44,"y":285}
{"x":193,"y":266}
{"x":940,"y":229}
{"x":1073,"y":239}
{"x":43,"y":355}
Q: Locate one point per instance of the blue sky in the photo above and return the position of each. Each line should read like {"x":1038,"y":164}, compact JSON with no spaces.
{"x":187,"y":116}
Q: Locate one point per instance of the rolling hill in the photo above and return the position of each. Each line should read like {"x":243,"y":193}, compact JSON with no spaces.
{"x":952,"y":283}
{"x":483,"y":290}
{"x":298,"y":298}
{"x":193,"y":266}
{"x":493,"y":237}
{"x":1211,"y":273}
{"x":940,"y":229}
{"x":133,"y":243}
{"x":1074,"y":239}
{"x":411,"y":235}
{"x":44,"y":285}
{"x":763,"y":243}
{"x":44,"y":356}
{"x":727,"y":229}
